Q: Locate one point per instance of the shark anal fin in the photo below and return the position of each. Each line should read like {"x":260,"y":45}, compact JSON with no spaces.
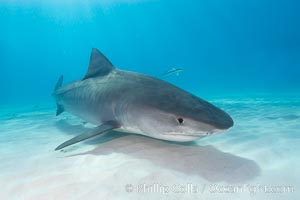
{"x":110,"y":125}
{"x":99,"y":65}
{"x":60,"y":109}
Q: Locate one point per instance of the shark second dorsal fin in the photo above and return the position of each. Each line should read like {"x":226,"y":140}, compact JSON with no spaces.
{"x":99,"y":65}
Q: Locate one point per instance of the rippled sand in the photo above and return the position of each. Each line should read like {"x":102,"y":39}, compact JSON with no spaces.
{"x":257,"y":159}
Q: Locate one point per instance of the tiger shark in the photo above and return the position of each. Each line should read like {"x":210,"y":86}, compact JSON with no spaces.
{"x":114,"y":99}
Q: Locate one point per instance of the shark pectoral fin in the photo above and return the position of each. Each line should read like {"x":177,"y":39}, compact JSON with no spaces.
{"x":110,"y":125}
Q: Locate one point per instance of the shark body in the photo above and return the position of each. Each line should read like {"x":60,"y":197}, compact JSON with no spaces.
{"x":114,"y":99}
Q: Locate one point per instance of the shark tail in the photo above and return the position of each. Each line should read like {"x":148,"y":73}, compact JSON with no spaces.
{"x":59,"y":83}
{"x":60,"y":109}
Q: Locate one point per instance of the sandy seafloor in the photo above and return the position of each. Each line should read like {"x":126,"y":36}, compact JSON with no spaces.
{"x":257,"y":159}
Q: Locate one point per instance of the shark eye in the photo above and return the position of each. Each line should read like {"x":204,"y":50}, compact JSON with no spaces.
{"x":180,"y":120}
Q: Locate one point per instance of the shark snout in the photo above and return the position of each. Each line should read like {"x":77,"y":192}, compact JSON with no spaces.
{"x":220,"y":120}
{"x":213,"y":117}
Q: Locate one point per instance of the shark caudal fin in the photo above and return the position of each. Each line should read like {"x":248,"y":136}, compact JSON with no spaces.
{"x":60,"y":108}
{"x":59,"y":83}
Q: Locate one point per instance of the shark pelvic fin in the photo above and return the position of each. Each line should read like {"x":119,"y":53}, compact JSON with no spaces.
{"x":99,"y":65}
{"x":110,"y":125}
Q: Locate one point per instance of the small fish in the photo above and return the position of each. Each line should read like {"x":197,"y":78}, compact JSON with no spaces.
{"x":173,"y":71}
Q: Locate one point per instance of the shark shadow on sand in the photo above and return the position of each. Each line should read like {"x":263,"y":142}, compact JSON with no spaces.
{"x":189,"y":158}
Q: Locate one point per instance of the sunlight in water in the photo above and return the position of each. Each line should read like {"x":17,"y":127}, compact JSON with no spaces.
{"x":68,"y":11}
{"x":72,"y":2}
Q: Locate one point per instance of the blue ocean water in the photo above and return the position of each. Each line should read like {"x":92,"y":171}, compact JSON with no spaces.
{"x":223,"y":46}
{"x":242,"y":56}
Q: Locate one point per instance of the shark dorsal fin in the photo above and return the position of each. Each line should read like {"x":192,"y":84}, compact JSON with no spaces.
{"x":99,"y":65}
